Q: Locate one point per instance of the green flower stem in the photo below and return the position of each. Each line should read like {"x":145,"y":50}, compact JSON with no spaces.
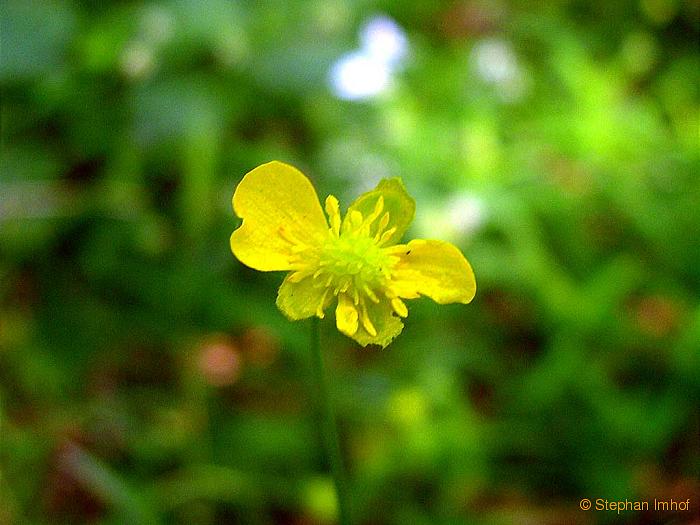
{"x":329,"y":428}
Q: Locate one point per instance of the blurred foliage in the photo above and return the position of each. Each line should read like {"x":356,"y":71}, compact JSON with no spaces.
{"x":147,"y":377}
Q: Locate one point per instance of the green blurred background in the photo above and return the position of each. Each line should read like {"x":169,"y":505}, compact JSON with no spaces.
{"x":146,"y":376}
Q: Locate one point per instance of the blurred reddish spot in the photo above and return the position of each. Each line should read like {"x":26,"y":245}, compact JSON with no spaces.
{"x":470,"y":19}
{"x":605,"y":230}
{"x":481,"y":393}
{"x":260,"y":346}
{"x":656,"y":316}
{"x":511,"y":505}
{"x":653,"y":483}
{"x":103,"y":380}
{"x":515,"y":317}
{"x":66,"y":497}
{"x":22,"y":290}
{"x":509,"y":309}
{"x":220,"y":362}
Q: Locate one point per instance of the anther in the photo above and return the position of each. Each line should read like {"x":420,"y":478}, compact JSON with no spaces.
{"x":386,"y":235}
{"x":299,"y":276}
{"x":383,"y":222}
{"x":355,"y":219}
{"x":333,"y":211}
{"x":370,"y":293}
{"x":319,"y":309}
{"x":378,"y":207}
{"x":366,"y":322}
{"x":399,"y":307}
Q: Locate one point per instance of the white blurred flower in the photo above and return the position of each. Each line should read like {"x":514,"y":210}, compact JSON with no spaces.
{"x":384,"y":40}
{"x":495,"y":62}
{"x":465,"y":213}
{"x":157,"y":24}
{"x":457,"y":217}
{"x":368,"y":72}
{"x":358,"y":76}
{"x":137,"y":60}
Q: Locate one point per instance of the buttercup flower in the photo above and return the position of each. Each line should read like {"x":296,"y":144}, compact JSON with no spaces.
{"x":353,"y":262}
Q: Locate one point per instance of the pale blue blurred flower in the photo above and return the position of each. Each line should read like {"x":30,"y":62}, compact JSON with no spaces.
{"x":368,"y":72}
{"x":384,"y":40}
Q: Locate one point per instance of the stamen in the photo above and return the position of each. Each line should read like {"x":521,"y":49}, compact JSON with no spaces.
{"x":298,"y":276}
{"x":346,"y":315}
{"x":370,"y":293}
{"x":319,"y":309}
{"x":364,"y":229}
{"x":333,"y":211}
{"x":386,"y":235}
{"x":354,"y":267}
{"x":383,"y":222}
{"x":355,"y":219}
{"x":366,"y":322}
{"x":399,"y":307}
{"x":378,"y":207}
{"x":342,"y":288}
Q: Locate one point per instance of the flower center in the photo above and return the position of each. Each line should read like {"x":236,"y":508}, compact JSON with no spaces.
{"x":354,"y":264}
{"x":351,"y":264}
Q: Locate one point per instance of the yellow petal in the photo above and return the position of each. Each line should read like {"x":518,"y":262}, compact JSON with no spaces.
{"x":399,"y":205}
{"x":346,"y":315}
{"x":386,"y":324}
{"x":280,"y":209}
{"x":299,"y":300}
{"x":436,"y":269}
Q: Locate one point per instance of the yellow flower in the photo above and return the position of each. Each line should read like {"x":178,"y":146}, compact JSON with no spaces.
{"x":353,"y":262}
